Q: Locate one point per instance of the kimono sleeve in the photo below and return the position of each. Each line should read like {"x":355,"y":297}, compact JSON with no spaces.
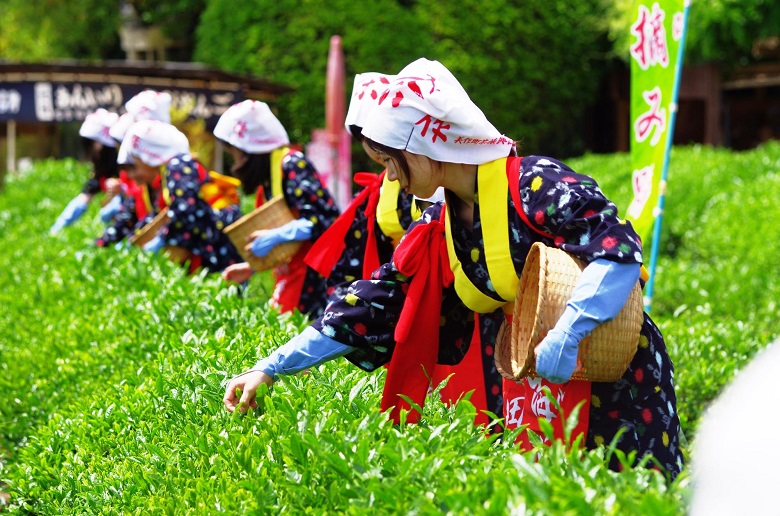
{"x":572,"y":208}
{"x":306,"y":195}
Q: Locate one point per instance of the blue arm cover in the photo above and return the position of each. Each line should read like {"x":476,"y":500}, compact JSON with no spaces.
{"x":154,"y":245}
{"x":108,"y":211}
{"x":600,"y":294}
{"x":72,"y":212}
{"x":310,"y":348}
{"x":295,"y":230}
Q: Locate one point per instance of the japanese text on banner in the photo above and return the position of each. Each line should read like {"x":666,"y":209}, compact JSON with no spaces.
{"x":656,"y":32}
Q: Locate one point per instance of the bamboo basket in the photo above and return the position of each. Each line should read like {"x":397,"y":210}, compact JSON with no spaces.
{"x":272,"y":214}
{"x":173,"y":252}
{"x":546,"y":284}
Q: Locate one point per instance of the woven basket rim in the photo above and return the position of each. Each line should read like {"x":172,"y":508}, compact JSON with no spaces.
{"x":278,"y":213}
{"x":148,"y":232}
{"x":274,"y":203}
{"x":605,"y":354}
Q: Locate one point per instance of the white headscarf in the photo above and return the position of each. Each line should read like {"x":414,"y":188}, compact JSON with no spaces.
{"x":365,"y":91}
{"x":252,"y":127}
{"x":152,"y":142}
{"x":426,"y":111}
{"x":147,"y":105}
{"x":96,"y":127}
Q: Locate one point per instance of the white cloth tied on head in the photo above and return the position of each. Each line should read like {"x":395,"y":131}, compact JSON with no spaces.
{"x":426,"y":111}
{"x":152,"y":142}
{"x":365,"y":91}
{"x":252,"y":127}
{"x":147,"y":105}
{"x":96,"y":127}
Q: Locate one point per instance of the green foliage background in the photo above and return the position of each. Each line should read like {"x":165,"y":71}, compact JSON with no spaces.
{"x":533,"y":66}
{"x":514,"y":58}
{"x":113,"y":364}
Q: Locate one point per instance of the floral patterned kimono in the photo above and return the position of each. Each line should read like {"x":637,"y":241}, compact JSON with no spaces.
{"x":560,"y":208}
{"x":197,"y":216}
{"x":364,"y":235}
{"x":381,"y":213}
{"x":294,"y":177}
{"x":140,"y":203}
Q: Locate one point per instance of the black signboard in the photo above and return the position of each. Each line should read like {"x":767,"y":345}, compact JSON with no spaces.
{"x":55,"y":102}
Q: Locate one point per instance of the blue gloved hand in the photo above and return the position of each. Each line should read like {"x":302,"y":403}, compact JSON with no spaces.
{"x":154,"y":245}
{"x":600,"y":294}
{"x":295,"y":230}
{"x":72,"y":212}
{"x":111,"y":208}
{"x":556,"y":355}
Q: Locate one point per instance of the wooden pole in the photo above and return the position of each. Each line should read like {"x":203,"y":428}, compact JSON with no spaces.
{"x":11,"y":155}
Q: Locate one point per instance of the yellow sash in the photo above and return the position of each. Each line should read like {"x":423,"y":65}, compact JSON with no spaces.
{"x":493,"y":187}
{"x":166,"y":194}
{"x":220,"y":192}
{"x":277,"y":155}
{"x":147,"y":199}
{"x":387,"y":210}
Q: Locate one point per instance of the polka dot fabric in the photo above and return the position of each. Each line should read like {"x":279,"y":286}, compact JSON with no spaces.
{"x":193,"y":224}
{"x":573,"y":210}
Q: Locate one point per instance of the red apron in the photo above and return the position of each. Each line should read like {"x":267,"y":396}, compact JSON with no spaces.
{"x":525,"y":403}
{"x":290,"y":278}
{"x":465,"y":377}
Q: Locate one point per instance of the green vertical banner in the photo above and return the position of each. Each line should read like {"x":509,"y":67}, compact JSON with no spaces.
{"x":657,"y":31}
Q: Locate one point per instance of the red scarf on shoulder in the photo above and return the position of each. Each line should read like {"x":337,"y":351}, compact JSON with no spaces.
{"x":421,"y":255}
{"x":326,"y":251}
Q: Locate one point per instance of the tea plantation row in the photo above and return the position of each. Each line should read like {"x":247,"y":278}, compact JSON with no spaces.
{"x":113,"y":365}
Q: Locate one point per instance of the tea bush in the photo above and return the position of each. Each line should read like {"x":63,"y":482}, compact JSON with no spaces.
{"x":113,"y":365}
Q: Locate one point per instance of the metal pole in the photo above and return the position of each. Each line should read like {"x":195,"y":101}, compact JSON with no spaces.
{"x":11,"y":155}
{"x":659,"y":210}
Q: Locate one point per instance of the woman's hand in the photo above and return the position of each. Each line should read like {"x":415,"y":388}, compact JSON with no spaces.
{"x":248,"y":384}
{"x":254,"y":235}
{"x":113,"y":186}
{"x":556,"y":356}
{"x":238,"y":272}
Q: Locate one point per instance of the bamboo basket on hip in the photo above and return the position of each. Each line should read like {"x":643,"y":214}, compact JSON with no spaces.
{"x":546,"y":284}
{"x":174,"y":253}
{"x":272,"y":214}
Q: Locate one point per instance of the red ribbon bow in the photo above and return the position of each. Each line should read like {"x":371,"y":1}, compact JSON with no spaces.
{"x":421,"y":255}
{"x":327,"y":250}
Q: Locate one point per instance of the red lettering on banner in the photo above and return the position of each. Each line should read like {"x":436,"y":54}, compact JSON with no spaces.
{"x":415,"y":89}
{"x":642,"y":184}
{"x":653,"y":120}
{"x":651,"y":47}
{"x":678,"y":23}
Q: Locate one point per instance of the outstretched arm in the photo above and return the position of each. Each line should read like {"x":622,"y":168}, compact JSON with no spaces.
{"x":309,"y":349}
